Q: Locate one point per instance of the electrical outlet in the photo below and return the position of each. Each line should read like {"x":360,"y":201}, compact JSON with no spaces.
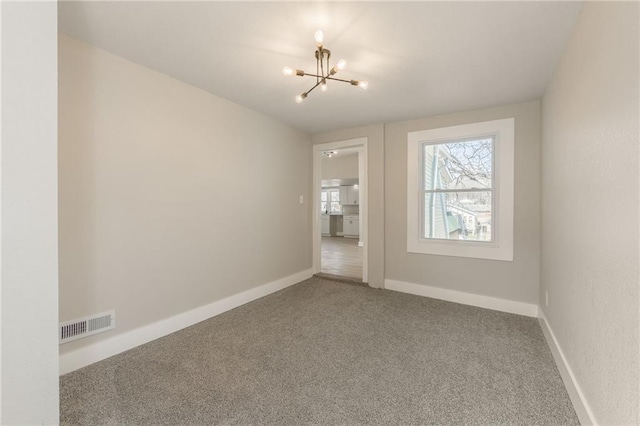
{"x":301,"y":199}
{"x":546,"y":298}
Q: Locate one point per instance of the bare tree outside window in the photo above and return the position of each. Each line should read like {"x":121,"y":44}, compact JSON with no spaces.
{"x":458,"y":189}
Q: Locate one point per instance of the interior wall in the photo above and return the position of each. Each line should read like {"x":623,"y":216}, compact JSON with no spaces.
{"x":590,"y":209}
{"x":517,"y":280}
{"x":29,"y":214}
{"x":375,"y":141}
{"x":170,"y":198}
{"x":344,"y":167}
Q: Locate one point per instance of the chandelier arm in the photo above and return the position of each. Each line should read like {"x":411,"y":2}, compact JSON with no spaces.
{"x":338,"y":79}
{"x":314,"y":86}
{"x":328,"y":67}
{"x":322,"y":77}
{"x":327,"y":77}
{"x":321,"y":55}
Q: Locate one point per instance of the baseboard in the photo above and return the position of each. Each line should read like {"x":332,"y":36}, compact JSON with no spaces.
{"x":106,"y":348}
{"x":494,"y":303}
{"x":583,"y":410}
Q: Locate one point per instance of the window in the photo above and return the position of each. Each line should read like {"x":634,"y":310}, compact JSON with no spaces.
{"x":330,"y":201}
{"x":460,"y":190}
{"x":457,"y":189}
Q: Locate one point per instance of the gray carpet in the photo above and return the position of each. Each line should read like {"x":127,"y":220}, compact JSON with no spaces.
{"x":323,"y":352}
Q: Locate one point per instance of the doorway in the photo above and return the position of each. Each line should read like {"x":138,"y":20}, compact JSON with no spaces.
{"x":340,"y":211}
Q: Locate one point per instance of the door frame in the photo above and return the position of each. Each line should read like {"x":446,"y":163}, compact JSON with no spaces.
{"x":363,"y":184}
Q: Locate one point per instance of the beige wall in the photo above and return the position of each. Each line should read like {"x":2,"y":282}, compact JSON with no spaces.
{"x":375,"y":141}
{"x":170,"y":198}
{"x":517,"y":280}
{"x":590,"y":209}
{"x":28,"y":214}
{"x":340,"y":167}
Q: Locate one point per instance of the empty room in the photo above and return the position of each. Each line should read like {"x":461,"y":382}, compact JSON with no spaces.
{"x":292,"y":213}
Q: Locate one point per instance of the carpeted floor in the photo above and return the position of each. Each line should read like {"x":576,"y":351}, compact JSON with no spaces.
{"x":323,"y":352}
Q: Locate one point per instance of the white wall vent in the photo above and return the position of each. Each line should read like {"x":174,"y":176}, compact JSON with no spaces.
{"x":87,"y":326}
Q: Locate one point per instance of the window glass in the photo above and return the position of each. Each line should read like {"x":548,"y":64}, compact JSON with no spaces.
{"x":458,"y":215}
{"x":457,"y":192}
{"x":458,"y":165}
{"x":330,"y":201}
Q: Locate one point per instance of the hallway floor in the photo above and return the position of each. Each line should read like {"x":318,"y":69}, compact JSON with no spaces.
{"x":341,"y":257}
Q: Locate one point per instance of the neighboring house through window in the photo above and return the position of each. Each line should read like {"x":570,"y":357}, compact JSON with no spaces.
{"x":460,"y":190}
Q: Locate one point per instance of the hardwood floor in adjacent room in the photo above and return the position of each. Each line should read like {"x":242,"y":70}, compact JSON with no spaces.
{"x":342,"y":257}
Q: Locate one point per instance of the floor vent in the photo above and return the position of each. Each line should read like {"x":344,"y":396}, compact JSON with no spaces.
{"x":87,"y":326}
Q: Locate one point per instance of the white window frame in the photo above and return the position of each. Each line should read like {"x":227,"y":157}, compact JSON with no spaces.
{"x":501,"y":248}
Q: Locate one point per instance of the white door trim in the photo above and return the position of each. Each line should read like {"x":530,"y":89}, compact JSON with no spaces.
{"x":363,"y":183}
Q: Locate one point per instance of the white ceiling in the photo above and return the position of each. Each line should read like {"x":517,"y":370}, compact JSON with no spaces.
{"x":420,"y":58}
{"x":342,"y":152}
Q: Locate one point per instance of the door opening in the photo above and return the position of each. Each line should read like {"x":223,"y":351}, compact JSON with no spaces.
{"x":340,"y":209}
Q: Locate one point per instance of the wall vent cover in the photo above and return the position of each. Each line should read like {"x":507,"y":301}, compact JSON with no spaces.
{"x":87,"y":326}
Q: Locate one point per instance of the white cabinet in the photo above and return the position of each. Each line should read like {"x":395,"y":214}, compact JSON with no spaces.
{"x":349,"y":195}
{"x":351,"y":226}
{"x":344,"y":194}
{"x":325,"y":224}
{"x":347,"y":226}
{"x":353,"y":195}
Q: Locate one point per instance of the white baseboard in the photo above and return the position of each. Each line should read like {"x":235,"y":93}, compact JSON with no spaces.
{"x":105,"y":348}
{"x":583,"y":410}
{"x":494,"y":303}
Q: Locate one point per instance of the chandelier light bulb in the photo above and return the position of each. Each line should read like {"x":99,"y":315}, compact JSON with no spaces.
{"x":301,"y":97}
{"x":319,"y":36}
{"x":287,"y":71}
{"x":342,"y":64}
{"x":360,"y":83}
{"x":323,"y":86}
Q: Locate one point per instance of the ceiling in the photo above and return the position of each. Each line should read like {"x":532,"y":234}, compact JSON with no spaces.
{"x":342,"y":152}
{"x":420,"y":58}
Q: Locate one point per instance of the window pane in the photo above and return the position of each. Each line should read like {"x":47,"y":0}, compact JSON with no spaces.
{"x":458,"y":215}
{"x":323,"y":196}
{"x":458,"y":165}
{"x":335,"y":207}
{"x":335,"y":196}
{"x":323,"y":206}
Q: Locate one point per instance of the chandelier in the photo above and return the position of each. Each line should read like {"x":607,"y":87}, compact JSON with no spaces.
{"x":323,"y":71}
